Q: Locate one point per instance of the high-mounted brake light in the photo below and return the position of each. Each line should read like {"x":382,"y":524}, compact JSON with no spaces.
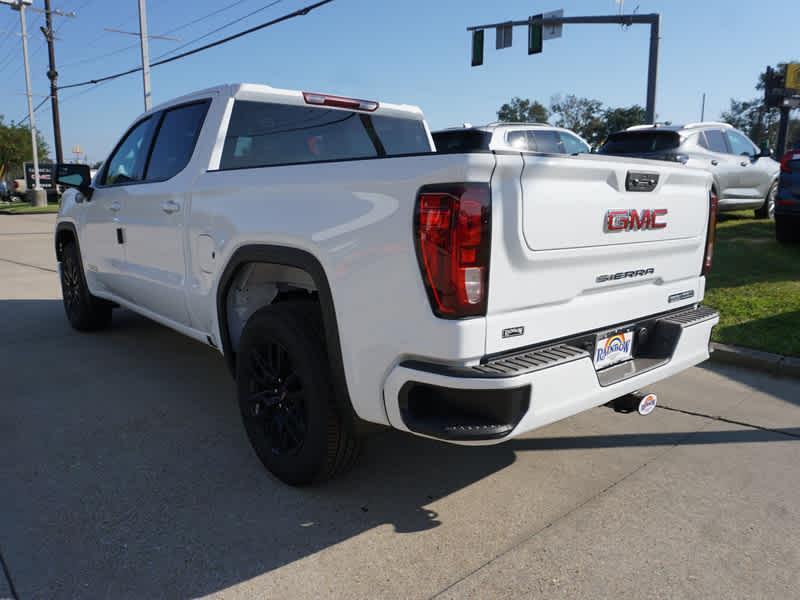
{"x":452,"y":234}
{"x":340,"y":102}
{"x":711,"y":232}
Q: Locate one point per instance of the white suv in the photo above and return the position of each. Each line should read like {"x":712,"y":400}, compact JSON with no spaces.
{"x":530,"y":137}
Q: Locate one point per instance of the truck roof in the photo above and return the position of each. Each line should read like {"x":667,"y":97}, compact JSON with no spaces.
{"x":265,"y":93}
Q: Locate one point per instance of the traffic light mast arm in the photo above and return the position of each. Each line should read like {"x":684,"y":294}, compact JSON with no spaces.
{"x":652,"y":19}
{"x":648,"y":19}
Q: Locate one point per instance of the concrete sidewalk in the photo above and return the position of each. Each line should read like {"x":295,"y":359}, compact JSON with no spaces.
{"x":127,"y":474}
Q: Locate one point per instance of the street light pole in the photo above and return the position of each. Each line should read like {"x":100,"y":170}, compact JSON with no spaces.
{"x":145,"y":53}
{"x":38,"y":197}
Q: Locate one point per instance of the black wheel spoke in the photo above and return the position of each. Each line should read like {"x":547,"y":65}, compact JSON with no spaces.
{"x":276,"y":399}
{"x":261,"y":371}
{"x":265,"y":399}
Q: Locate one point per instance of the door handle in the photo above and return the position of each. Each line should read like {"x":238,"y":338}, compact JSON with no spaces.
{"x":744,"y":163}
{"x":170,"y":206}
{"x":113,"y":206}
{"x":714,"y":162}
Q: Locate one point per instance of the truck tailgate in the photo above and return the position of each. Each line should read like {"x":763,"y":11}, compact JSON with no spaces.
{"x":556,"y":267}
{"x":566,"y":206}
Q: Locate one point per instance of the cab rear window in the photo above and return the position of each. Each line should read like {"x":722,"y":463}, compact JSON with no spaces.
{"x":262,"y":134}
{"x":640,"y":142}
{"x":461,"y":140}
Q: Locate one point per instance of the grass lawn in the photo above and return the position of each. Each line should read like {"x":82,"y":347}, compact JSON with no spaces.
{"x":755,"y":284}
{"x":23,"y":208}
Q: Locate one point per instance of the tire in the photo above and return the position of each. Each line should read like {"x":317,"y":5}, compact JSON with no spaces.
{"x":767,"y":210}
{"x":84,"y":311}
{"x":286,"y":398}
{"x":787,"y":229}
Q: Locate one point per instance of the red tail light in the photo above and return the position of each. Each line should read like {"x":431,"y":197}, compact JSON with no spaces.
{"x":452,"y":234}
{"x":787,"y":158}
{"x":711,"y":232}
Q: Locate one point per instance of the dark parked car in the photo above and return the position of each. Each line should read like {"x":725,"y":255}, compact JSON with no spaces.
{"x":787,"y":200}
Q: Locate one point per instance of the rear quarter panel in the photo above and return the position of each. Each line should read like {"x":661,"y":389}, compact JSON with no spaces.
{"x":356,"y":218}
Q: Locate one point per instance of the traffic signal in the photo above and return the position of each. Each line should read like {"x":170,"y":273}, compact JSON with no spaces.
{"x":535,"y":35}
{"x":477,"y":47}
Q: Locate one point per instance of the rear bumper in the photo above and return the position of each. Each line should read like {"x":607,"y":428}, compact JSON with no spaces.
{"x":505,"y":397}
{"x":739,"y":204}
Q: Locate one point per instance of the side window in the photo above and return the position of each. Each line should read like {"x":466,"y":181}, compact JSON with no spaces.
{"x":739,"y":144}
{"x":262,"y":134}
{"x":572,"y":144}
{"x":175,"y":140}
{"x":714,"y":141}
{"x":519,"y":140}
{"x":128,"y":161}
{"x":548,"y":141}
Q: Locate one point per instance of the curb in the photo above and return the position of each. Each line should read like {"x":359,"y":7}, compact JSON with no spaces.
{"x":775,"y":364}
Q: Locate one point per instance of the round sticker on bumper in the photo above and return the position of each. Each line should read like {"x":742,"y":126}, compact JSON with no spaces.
{"x":648,"y":404}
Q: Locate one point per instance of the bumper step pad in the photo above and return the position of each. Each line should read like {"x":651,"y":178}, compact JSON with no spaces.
{"x":528,"y":362}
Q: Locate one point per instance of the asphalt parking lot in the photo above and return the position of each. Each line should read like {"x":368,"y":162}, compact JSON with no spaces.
{"x":124,"y":472}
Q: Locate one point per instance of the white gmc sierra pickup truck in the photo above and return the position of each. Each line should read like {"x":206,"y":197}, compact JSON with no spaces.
{"x":350,"y":275}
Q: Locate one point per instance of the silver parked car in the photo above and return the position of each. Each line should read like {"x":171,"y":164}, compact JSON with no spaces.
{"x":744,"y":176}
{"x":534,"y":137}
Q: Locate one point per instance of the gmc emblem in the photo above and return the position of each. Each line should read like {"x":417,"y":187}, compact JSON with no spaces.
{"x":630,"y":219}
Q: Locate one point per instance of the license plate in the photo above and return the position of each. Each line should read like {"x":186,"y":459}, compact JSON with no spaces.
{"x":612,"y":349}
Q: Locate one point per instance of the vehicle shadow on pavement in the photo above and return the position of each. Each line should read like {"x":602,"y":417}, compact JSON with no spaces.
{"x":637,"y":440}
{"x":126,"y":471}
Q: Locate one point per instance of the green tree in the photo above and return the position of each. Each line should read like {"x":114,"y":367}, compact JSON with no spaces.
{"x":756,"y":120}
{"x":15,"y":148}
{"x":584,"y":116}
{"x":617,"y":119}
{"x":521,"y":110}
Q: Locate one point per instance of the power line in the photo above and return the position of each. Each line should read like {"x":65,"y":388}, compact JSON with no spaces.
{"x":298,"y":13}
{"x":220,"y":28}
{"x":173,"y":30}
{"x":38,"y":106}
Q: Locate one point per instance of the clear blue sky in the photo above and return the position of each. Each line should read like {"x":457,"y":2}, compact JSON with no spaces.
{"x":412,"y":51}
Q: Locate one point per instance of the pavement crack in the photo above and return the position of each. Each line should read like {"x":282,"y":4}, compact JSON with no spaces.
{"x":566,"y":514}
{"x":22,"y":264}
{"x":731,"y":421}
{"x":7,"y":574}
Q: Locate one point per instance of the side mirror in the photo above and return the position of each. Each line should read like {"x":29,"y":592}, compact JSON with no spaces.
{"x":75,"y":176}
{"x":765,"y":152}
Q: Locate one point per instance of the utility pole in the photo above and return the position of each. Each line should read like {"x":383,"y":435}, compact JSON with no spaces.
{"x":37,"y":195}
{"x":703,"y":108}
{"x":783,"y":128}
{"x":52,"y":75}
{"x":145,"y":53}
{"x":653,"y":19}
{"x":144,"y":39}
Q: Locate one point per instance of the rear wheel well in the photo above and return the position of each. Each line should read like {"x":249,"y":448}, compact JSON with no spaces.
{"x":258,"y":284}
{"x":281,"y":273}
